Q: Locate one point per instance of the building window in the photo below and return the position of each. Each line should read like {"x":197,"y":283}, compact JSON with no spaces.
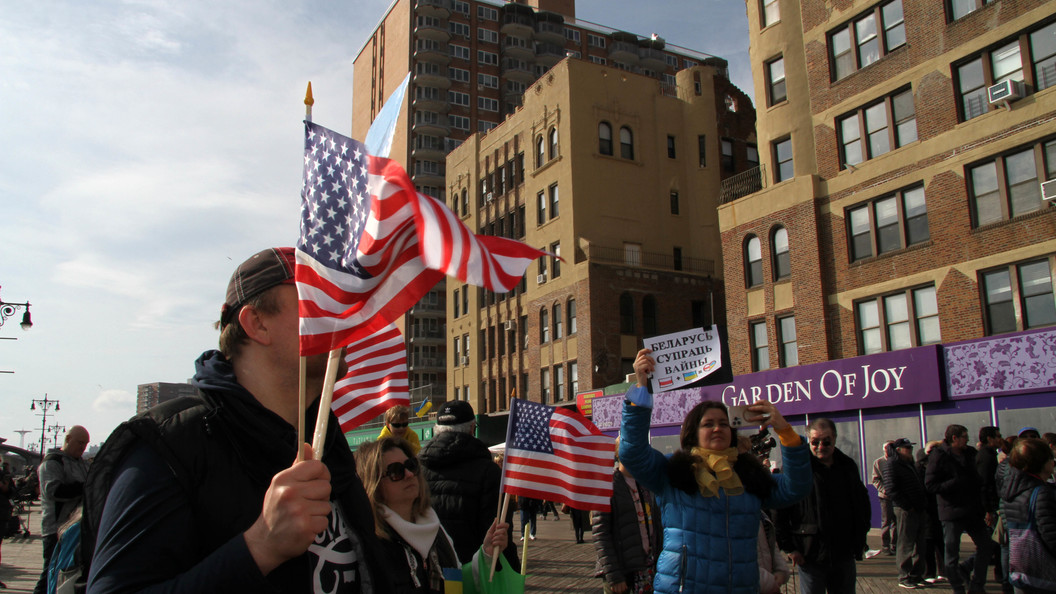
{"x":553,"y":201}
{"x":726,"y":154}
{"x":465,"y":202}
{"x":649,"y":316}
{"x":1008,"y":186}
{"x":959,"y":8}
{"x":571,"y":316}
{"x":458,"y":122}
{"x":459,"y":29}
{"x":605,"y":138}
{"x":626,"y":314}
{"x":752,"y":156}
{"x":626,"y":143}
{"x":559,"y":383}
{"x":898,"y":321}
{"x":544,"y":326}
{"x":598,"y":60}
{"x":1007,"y":62}
{"x":488,"y":14}
{"x":555,"y":249}
{"x":868,"y":37}
{"x":632,"y":254}
{"x":702,"y":145}
{"x":786,"y":335}
{"x":465,"y":299}
{"x":573,"y":36}
{"x":457,"y":303}
{"x":463,"y":8}
{"x":674,"y":202}
{"x":771,"y":12}
{"x":670,"y":147}
{"x":488,"y":35}
{"x":458,"y":74}
{"x":753,"y":262}
{"x":488,"y":81}
{"x":542,"y":267}
{"x":540,"y":151}
{"x":458,"y":98}
{"x":559,"y":322}
{"x":544,"y":385}
{"x":457,"y":350}
{"x":888,"y":223}
{"x":1026,"y":303}
{"x":783,"y":158}
{"x":460,"y":52}
{"x":595,"y":40}
{"x":868,"y":133}
{"x":760,"y":346}
{"x":488,"y":104}
{"x":573,"y":376}
{"x":782,"y":262}
{"x":775,"y":81}
{"x":1043,"y":55}
{"x":553,"y":143}
{"x":676,"y":256}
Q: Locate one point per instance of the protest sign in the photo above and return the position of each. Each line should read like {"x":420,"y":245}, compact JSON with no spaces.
{"x":684,"y":357}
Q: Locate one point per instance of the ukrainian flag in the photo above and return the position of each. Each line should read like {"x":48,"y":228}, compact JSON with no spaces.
{"x":424,"y":407}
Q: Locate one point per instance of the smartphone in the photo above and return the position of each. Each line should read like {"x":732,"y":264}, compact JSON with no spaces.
{"x":738,"y":419}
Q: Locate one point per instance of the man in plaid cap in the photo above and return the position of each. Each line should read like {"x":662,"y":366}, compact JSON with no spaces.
{"x":203,"y":494}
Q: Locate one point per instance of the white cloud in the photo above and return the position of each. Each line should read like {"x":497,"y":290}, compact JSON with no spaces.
{"x":111,"y":400}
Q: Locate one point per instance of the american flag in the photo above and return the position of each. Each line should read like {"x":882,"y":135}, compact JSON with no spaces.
{"x":558,"y":455}
{"x":371,"y":246}
{"x":376,"y":379}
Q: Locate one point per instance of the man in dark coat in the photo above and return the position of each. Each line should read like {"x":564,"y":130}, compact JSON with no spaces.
{"x":463,"y":481}
{"x":905,"y":488}
{"x":953,"y":478}
{"x":825,"y":533}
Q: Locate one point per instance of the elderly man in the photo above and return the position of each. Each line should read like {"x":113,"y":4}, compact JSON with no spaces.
{"x":464,"y":480}
{"x":905,"y":488}
{"x":205,"y":494}
{"x":397,"y":424}
{"x":888,"y":527}
{"x":62,"y":475}
{"x":825,"y":533}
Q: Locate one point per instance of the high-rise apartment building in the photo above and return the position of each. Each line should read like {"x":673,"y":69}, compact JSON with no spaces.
{"x":619,"y":178}
{"x":900,"y":197}
{"x":470,"y":63}
{"x":151,"y":395}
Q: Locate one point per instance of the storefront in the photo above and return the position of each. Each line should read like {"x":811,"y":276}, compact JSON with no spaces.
{"x":1008,"y":381}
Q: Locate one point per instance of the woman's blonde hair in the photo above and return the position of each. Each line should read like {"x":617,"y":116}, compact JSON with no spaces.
{"x":369,"y":461}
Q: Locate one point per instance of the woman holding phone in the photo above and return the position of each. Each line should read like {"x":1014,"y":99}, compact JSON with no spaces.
{"x":709,"y":495}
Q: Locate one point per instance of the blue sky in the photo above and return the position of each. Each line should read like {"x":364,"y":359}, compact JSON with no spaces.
{"x":151,"y":146}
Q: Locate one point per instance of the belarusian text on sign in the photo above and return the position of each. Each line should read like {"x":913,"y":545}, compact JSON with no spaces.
{"x":684,"y":357}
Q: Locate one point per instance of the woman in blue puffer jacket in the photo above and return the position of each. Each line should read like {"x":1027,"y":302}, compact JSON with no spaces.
{"x":709,"y":496}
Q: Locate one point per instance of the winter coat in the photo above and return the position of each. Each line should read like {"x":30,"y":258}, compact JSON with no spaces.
{"x":405,"y":565}
{"x":986,"y":466}
{"x":464,"y":483}
{"x":829,"y":525}
{"x":905,"y":484}
{"x":1016,"y":491}
{"x":955,"y":480}
{"x":617,"y":535}
{"x":709,"y":543}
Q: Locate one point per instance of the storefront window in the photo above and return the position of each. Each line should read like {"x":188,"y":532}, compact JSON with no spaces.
{"x":935,"y":424}
{"x":1011,"y":421}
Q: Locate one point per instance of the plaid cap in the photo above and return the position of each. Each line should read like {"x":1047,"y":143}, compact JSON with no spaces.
{"x":455,"y":412}
{"x":265,"y":269}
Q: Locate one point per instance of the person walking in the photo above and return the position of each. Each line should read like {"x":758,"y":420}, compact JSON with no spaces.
{"x":888,"y":525}
{"x":905,"y":488}
{"x":62,"y":475}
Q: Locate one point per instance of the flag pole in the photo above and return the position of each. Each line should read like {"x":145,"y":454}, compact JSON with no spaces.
{"x":505,"y":500}
{"x":322,"y":418}
{"x":302,"y":400}
{"x":505,"y":505}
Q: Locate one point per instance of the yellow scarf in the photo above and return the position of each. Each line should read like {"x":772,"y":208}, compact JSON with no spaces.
{"x":716,"y":470}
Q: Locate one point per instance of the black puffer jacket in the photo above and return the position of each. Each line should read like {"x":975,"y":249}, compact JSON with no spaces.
{"x":954,"y":479}
{"x":1016,"y":490}
{"x":904,"y":484}
{"x":464,"y":482}
{"x":617,"y":536}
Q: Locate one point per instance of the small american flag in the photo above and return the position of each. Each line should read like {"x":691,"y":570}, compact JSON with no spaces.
{"x":558,"y":455}
{"x":376,"y":379}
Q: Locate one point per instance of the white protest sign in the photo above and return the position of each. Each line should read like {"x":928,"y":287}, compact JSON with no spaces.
{"x":684,"y":357}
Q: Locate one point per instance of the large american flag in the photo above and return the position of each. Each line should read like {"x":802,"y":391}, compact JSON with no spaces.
{"x":376,"y":379}
{"x":558,"y":455}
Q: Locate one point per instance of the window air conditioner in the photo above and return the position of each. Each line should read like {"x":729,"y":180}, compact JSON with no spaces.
{"x":489,"y":197}
{"x":508,"y":325}
{"x":465,"y":360}
{"x":1048,"y":190}
{"x":540,"y":279}
{"x":1005,"y":91}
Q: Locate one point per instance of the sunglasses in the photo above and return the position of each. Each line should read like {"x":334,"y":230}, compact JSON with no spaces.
{"x":821,"y":442}
{"x":397,"y":470}
{"x":399,"y":425}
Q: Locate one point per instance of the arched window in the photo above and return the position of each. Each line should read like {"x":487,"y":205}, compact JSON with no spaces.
{"x":540,"y":152}
{"x":753,"y":261}
{"x":553,"y":142}
{"x":559,"y":322}
{"x":571,"y":316}
{"x":544,"y":326}
{"x":626,"y":143}
{"x":782,"y":261}
{"x":649,"y":316}
{"x":465,"y":202}
{"x":626,"y":314}
{"x":605,"y":138}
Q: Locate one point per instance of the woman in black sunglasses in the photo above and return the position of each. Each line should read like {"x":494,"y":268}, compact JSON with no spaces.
{"x":416,"y":549}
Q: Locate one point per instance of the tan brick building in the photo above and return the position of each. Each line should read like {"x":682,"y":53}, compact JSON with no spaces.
{"x":622,"y":180}
{"x":895,"y":205}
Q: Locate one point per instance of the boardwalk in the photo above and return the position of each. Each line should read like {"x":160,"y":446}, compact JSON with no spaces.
{"x":555,"y":563}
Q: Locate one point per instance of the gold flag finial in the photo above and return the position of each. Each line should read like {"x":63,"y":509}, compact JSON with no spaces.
{"x":308,"y":100}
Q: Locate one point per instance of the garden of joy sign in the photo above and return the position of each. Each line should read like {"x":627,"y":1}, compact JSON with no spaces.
{"x":684,"y":357}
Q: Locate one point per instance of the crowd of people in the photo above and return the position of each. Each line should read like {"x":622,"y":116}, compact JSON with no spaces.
{"x":215,"y":493}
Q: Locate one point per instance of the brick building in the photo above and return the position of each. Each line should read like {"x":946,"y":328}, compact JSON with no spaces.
{"x":898,"y":201}
{"x":151,"y":395}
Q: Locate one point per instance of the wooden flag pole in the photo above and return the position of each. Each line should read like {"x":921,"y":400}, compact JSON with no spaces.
{"x":302,"y":400}
{"x":505,"y":505}
{"x":524,"y":549}
{"x":322,"y":418}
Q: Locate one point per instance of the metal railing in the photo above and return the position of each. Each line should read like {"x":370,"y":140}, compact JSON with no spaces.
{"x":742,"y":184}
{"x":655,"y":260}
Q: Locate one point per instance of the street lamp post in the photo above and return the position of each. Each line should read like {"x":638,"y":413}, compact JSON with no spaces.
{"x":45,"y":406}
{"x":8,"y":309}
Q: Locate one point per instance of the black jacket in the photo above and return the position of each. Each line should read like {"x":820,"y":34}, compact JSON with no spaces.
{"x":831,"y":524}
{"x":406,"y":567}
{"x":184,"y":480}
{"x":1016,"y":491}
{"x":954,"y":479}
{"x":986,"y":466}
{"x":617,"y":535}
{"x":904,"y":484}
{"x":464,"y":483}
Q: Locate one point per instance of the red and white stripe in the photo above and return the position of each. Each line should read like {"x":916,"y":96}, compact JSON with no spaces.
{"x":376,"y":379}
